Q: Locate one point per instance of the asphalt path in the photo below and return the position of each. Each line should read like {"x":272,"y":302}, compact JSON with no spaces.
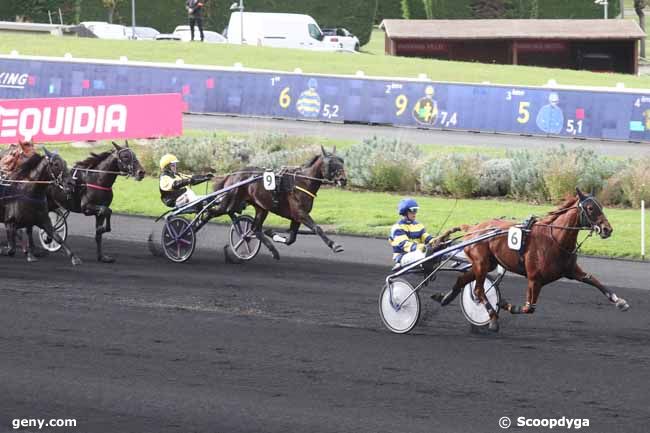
{"x":144,"y":345}
{"x":342,"y":131}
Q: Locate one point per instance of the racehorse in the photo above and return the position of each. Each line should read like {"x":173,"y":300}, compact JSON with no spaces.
{"x":23,"y":202}
{"x":93,"y":188}
{"x":293,"y":203}
{"x":548,"y":254}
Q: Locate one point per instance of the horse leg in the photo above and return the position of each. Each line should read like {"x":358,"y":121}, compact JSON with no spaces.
{"x":532,"y":293}
{"x":102,"y":226}
{"x":306,"y":220}
{"x":10,"y":249}
{"x":481,"y":270}
{"x":49,"y":229}
{"x":293,"y":232}
{"x":260,"y":216}
{"x":461,"y":281}
{"x":580,"y":275}
{"x":31,"y":247}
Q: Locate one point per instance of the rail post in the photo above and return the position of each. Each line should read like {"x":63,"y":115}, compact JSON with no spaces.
{"x":643,"y":229}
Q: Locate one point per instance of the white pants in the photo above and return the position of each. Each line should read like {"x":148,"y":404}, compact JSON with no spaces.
{"x":186,"y":197}
{"x":411,"y":257}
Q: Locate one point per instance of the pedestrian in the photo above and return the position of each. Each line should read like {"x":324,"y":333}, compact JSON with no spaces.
{"x":195,"y":15}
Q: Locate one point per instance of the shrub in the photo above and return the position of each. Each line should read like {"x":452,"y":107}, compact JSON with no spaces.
{"x":612,"y":193}
{"x":378,"y":162}
{"x":461,"y":176}
{"x":527,"y":180}
{"x":560,"y":173}
{"x":432,"y":176}
{"x":635,"y":182}
{"x":495,"y":178}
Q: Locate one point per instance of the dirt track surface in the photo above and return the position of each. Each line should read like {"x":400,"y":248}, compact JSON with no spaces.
{"x":144,"y":345}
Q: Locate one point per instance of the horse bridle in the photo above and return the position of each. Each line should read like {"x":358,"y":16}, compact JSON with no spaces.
{"x":58,"y":179}
{"x":128,"y":168}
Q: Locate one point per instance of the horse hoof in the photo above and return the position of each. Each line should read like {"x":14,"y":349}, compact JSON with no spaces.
{"x":230,"y":258}
{"x":622,"y":305}
{"x":438,"y":297}
{"x":276,"y":256}
{"x":7,"y":252}
{"x":106,"y":259}
{"x":493,"y":325}
{"x":337,"y":248}
{"x":31,"y":258}
{"x":76,"y":261}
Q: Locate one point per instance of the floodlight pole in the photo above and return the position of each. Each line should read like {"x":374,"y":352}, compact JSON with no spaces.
{"x":133,"y":19}
{"x":241,"y":17}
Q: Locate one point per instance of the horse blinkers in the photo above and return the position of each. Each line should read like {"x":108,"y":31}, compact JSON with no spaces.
{"x":592,"y":216}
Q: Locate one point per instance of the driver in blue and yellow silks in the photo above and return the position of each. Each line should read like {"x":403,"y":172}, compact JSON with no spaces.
{"x":409,"y":238}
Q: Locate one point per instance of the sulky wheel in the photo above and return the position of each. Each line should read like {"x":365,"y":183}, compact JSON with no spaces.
{"x":243,"y":241}
{"x":402,"y":314}
{"x":60,"y":225}
{"x":178,"y":239}
{"x":474,"y":311}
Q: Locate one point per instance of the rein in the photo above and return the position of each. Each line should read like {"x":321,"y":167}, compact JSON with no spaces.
{"x":102,"y":188}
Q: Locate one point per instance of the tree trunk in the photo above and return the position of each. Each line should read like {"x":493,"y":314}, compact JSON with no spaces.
{"x":111,"y":11}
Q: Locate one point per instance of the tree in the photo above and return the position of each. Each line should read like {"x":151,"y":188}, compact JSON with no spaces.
{"x":111,"y":6}
{"x":638,"y":8}
{"x":488,"y":9}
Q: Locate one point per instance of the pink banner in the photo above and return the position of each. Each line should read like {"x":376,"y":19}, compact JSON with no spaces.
{"x":91,"y":118}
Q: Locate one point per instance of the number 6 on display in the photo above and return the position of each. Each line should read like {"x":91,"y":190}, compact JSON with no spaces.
{"x":514,"y":238}
{"x":269,"y":181}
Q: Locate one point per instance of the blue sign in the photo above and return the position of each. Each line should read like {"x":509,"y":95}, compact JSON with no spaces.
{"x":424,"y":104}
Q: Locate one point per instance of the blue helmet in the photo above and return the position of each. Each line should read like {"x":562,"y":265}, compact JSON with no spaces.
{"x":407,"y":204}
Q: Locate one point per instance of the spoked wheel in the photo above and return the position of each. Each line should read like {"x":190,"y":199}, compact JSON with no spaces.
{"x":243,"y":242}
{"x":402,"y":314}
{"x":473,"y":310}
{"x":178,"y":239}
{"x":60,"y":224}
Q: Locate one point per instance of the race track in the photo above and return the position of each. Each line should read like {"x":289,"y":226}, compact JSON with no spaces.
{"x":358,"y":132}
{"x":144,"y":345}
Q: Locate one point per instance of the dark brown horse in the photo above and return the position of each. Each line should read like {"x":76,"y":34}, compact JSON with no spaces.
{"x":93,"y":188}
{"x":23,"y":203}
{"x":293,"y":204}
{"x":549,"y":253}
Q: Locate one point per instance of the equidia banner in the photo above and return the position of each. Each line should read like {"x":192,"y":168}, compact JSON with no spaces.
{"x":423,"y":104}
{"x":91,"y":118}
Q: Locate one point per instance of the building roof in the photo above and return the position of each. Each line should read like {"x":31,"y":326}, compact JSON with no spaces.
{"x":512,"y":29}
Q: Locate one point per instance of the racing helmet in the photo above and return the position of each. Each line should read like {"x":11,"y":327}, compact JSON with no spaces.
{"x":167,"y":159}
{"x":407,"y":204}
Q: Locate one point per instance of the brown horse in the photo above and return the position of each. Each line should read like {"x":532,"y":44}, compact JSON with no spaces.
{"x":294,"y":203}
{"x":549,"y":253}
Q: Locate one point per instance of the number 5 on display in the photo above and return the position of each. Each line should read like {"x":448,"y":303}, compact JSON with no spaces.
{"x":524,"y":114}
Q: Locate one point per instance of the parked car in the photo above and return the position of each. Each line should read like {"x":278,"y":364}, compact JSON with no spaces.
{"x":104,"y":30}
{"x":142,"y":33}
{"x":183,"y":33}
{"x":341,"y":36}
{"x":279,"y":30}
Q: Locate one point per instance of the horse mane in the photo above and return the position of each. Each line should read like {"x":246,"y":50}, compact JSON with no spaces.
{"x":93,"y":160}
{"x":312,"y":161}
{"x":568,"y":202}
{"x":26,"y":167}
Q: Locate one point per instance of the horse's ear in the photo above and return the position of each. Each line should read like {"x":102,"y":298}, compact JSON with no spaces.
{"x":117,"y":146}
{"x":127,"y":143}
{"x":47,"y":152}
{"x":334,"y":150}
{"x":322,"y":149}
{"x":581,"y":196}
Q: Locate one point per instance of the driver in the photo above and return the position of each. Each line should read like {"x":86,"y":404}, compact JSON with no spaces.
{"x":16,"y":156}
{"x":173,"y":185}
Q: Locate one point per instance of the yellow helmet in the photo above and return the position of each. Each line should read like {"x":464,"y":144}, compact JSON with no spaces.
{"x":166,"y":160}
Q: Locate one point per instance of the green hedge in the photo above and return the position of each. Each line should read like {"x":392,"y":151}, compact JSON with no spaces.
{"x":388,"y":9}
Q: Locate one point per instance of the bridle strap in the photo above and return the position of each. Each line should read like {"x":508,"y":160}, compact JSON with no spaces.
{"x":102,"y":188}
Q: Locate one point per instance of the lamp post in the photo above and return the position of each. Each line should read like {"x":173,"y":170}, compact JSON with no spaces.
{"x":132,"y":19}
{"x":239,"y":7}
{"x":604,"y":3}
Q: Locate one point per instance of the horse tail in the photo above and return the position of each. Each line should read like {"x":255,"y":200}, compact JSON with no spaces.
{"x":219,"y":183}
{"x":466,"y":227}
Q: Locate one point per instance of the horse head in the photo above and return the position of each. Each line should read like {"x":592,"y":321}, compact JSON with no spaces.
{"x":333,"y":168}
{"x":592,"y":215}
{"x":127,"y":162}
{"x":58,"y":171}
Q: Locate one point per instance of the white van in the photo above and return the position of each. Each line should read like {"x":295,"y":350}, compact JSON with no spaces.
{"x":278,"y":30}
{"x":104,"y":30}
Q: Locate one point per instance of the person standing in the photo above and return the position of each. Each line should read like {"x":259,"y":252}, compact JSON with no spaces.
{"x":195,"y":15}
